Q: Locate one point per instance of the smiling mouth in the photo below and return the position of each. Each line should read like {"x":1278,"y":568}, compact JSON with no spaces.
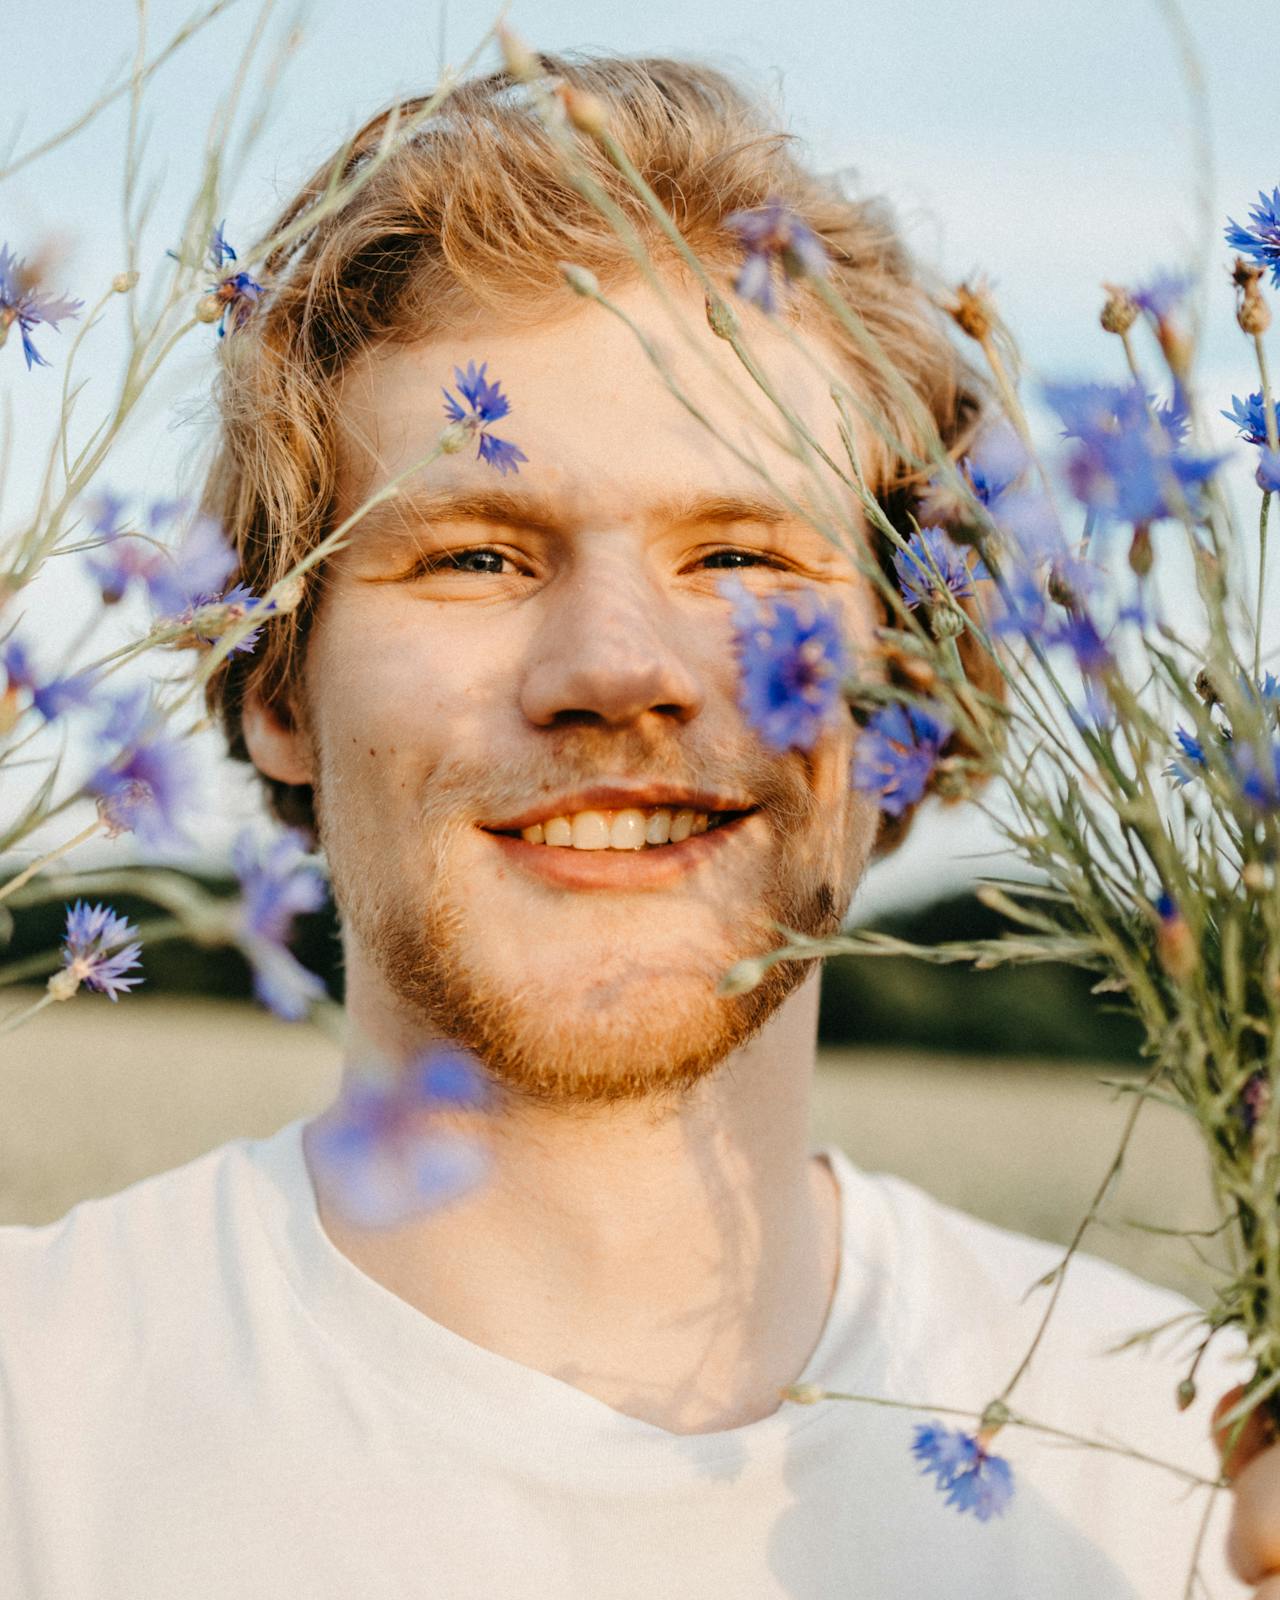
{"x":634,"y":828}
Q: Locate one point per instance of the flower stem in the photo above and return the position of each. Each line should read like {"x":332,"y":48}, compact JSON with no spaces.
{"x":52,"y":855}
{"x":1013,"y":1420}
{"x":15,"y":1019}
{"x":1273,"y":443}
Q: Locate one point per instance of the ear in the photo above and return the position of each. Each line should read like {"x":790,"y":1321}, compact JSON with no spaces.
{"x":278,"y":746}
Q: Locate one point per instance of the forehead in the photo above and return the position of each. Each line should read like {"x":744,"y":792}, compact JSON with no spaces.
{"x":607,"y":434}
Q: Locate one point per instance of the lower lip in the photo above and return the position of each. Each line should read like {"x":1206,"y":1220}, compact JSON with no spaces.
{"x":652,"y":868}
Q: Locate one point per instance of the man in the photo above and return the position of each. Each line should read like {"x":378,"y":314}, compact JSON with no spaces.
{"x":567,"y":1381}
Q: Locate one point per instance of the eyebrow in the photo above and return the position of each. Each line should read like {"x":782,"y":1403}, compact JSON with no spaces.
{"x":534,"y":512}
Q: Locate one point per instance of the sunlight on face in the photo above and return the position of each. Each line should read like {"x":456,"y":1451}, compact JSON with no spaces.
{"x":553,"y":644}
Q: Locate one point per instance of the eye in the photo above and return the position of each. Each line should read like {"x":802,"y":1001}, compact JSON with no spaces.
{"x":483,"y":560}
{"x":732,"y":560}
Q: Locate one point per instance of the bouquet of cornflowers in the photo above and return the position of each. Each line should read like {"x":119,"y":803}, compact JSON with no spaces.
{"x":1136,"y":752}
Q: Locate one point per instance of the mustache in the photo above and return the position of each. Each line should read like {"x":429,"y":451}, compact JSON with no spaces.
{"x":461,"y":789}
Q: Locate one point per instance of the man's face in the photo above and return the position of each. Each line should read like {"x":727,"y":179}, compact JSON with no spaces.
{"x":479,"y":670}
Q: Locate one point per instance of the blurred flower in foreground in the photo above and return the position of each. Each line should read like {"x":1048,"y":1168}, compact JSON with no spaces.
{"x":278,"y":883}
{"x":1162,"y":296}
{"x":150,"y":782}
{"x":97,"y":953}
{"x":931,"y":565}
{"x":972,"y":1479}
{"x":791,"y":659}
{"x":21,"y":302}
{"x":485,"y":403}
{"x":774,"y":236}
{"x":1129,"y":462}
{"x":376,"y":1153}
{"x":195,"y":571}
{"x":1260,"y":239}
{"x":896,"y":754}
{"x":51,"y":697}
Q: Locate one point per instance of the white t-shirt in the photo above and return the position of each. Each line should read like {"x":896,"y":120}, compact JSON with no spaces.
{"x":202,"y":1397}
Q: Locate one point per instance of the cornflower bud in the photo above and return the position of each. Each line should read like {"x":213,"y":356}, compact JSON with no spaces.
{"x":946,"y":622}
{"x":973,"y":311}
{"x":9,"y":709}
{"x":1060,"y":591}
{"x":580,"y":279}
{"x":519,"y":60}
{"x":1120,"y":311}
{"x":208,"y":308}
{"x":1186,"y":1393}
{"x":1140,"y":553}
{"x":453,"y":438}
{"x":804,"y":1394}
{"x":1252,"y":312}
{"x":721,"y":318}
{"x":1175,"y":943}
{"x":124,"y":281}
{"x":288,"y":597}
{"x":1206,"y":688}
{"x":585,"y":111}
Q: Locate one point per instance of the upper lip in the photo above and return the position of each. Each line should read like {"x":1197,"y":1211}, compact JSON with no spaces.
{"x":620,"y":797}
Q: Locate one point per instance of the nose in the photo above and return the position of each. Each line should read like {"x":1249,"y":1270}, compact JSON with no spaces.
{"x":611,"y":649}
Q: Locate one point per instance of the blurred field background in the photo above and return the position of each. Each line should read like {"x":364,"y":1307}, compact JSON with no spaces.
{"x":993,"y":1091}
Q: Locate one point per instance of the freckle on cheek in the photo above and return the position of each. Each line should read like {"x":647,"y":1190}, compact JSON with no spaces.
{"x":372,"y":751}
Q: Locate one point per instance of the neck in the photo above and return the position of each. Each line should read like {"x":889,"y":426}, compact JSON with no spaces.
{"x":678,"y":1267}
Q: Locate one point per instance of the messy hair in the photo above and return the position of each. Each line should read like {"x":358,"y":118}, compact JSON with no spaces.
{"x":469,"y":214}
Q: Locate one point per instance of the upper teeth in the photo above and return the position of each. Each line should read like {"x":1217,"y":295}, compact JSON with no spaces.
{"x":632,"y":829}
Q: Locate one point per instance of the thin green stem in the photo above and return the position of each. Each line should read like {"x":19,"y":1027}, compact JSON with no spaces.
{"x":63,"y":849}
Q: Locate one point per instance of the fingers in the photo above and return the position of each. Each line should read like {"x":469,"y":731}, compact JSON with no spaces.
{"x":1268,"y":1589}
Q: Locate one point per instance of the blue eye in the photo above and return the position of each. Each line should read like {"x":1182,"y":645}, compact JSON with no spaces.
{"x":486,"y":561}
{"x":731,"y":559}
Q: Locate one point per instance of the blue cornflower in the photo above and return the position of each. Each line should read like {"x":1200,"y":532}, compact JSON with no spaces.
{"x":278,"y":883}
{"x":148,"y":785}
{"x":1268,"y":473}
{"x":997,"y":460}
{"x":20,"y":302}
{"x":1126,"y":462}
{"x":1162,"y":296}
{"x":1191,"y":763}
{"x":236,"y":292}
{"x":926,"y":550}
{"x":195,"y":573}
{"x":51,"y":697}
{"x":1250,"y":417}
{"x":791,"y":661}
{"x":97,"y":953}
{"x":211,"y":618}
{"x":973,"y":1479}
{"x":1259,"y":780}
{"x":773,"y":234}
{"x":485,"y":403}
{"x":1260,"y":239}
{"x":376,"y":1153}
{"x":1080,"y":634}
{"x":896,"y":753}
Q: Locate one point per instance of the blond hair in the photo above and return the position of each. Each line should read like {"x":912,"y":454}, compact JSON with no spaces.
{"x":472,"y":213}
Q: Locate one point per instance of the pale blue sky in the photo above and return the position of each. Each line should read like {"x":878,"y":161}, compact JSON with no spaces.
{"x":1049,"y":146}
